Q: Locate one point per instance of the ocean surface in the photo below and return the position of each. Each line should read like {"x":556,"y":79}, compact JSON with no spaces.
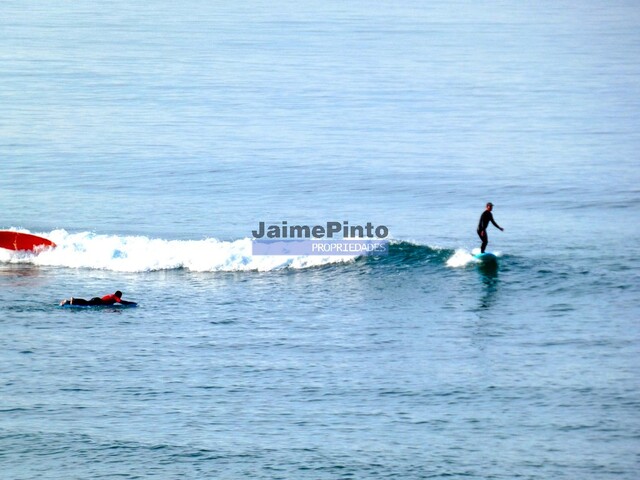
{"x":149,"y":139}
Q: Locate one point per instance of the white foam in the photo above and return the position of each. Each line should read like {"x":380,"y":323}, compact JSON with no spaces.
{"x":461,"y":258}
{"x":141,"y":254}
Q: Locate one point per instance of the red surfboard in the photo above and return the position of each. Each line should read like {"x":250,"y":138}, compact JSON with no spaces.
{"x":23,"y":241}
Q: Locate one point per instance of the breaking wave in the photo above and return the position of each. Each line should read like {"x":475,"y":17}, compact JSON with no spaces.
{"x":143,"y":254}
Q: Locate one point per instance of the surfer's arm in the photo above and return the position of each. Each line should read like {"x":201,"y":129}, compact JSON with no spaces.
{"x":494,"y":222}
{"x":125,"y":302}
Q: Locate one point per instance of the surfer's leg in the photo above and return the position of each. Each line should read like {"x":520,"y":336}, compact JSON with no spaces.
{"x":485,"y":240}
{"x":78,"y":301}
{"x":95,"y":301}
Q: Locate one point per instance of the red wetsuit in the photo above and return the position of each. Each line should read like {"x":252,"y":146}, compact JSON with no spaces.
{"x":110,"y":299}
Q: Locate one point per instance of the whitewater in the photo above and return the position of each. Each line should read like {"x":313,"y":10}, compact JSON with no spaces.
{"x":143,"y":254}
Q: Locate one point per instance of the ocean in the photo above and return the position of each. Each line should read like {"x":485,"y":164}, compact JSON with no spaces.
{"x":149,"y":140}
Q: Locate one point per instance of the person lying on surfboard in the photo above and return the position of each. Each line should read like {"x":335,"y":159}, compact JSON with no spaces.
{"x":485,"y":218}
{"x":106,"y":300}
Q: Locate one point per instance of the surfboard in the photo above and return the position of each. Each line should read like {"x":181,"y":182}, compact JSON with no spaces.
{"x":23,"y":241}
{"x":487,"y":258}
{"x":115,"y":305}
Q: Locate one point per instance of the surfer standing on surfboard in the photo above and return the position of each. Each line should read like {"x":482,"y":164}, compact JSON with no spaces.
{"x":485,"y":218}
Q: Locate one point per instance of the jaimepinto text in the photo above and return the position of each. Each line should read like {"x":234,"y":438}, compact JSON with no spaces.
{"x":283,"y":230}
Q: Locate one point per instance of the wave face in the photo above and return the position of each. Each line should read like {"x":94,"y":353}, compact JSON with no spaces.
{"x":142,"y":254}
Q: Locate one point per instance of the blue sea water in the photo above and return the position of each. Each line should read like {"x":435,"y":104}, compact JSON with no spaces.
{"x":149,"y":140}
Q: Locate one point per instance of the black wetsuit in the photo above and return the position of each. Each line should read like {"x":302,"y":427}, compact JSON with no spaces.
{"x":485,"y":218}
{"x":93,"y":301}
{"x":106,"y":300}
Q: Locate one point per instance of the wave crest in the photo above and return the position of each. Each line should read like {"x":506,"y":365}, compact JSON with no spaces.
{"x":143,"y":254}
